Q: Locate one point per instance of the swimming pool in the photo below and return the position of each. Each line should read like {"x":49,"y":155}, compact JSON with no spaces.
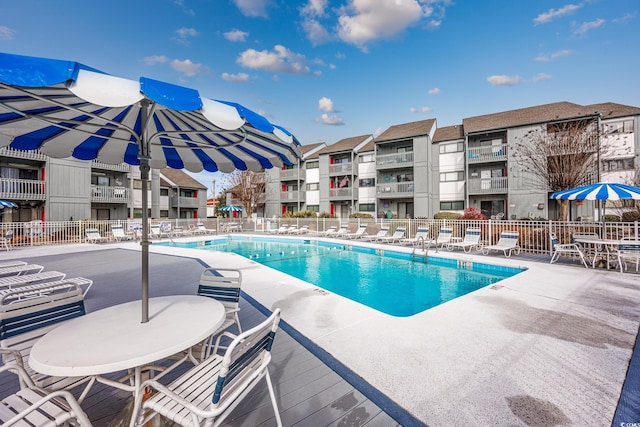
{"x":397,"y":283}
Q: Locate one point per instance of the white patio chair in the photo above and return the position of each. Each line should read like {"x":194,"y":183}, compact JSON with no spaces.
{"x":329,"y":231}
{"x":302,"y":230}
{"x":280,"y":230}
{"x":507,"y":243}
{"x":32,"y":406}
{"x":572,"y":249}
{"x":360,"y":232}
{"x":293,"y":229}
{"x":471,"y":240}
{"x":19,"y":270}
{"x":397,"y":236}
{"x":341,"y":232}
{"x":93,"y":236}
{"x":209,"y":392}
{"x":119,"y":234}
{"x":628,"y":251}
{"x":444,"y":236}
{"x":205,"y":230}
{"x":15,"y":263}
{"x":7,"y":240}
{"x":421,"y":237}
{"x":381,"y":234}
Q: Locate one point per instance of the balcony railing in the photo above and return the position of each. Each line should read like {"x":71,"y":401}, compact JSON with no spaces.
{"x":340,"y":168}
{"x":22,"y":189}
{"x":292,"y":196}
{"x":493,"y":153}
{"x":340,"y":193}
{"x":292,"y":174}
{"x":396,"y":189}
{"x":185,"y":202}
{"x":122,"y":167}
{"x":106,"y":194}
{"x":23,"y":154}
{"x":488,"y":185}
{"x":385,"y":161}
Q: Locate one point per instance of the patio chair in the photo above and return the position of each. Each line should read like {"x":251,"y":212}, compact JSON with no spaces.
{"x":118,"y":233}
{"x":507,"y":243}
{"x":35,"y":290}
{"x":360,"y":232}
{"x":293,"y":229}
{"x":7,"y":240}
{"x":23,"y":322}
{"x":19,"y":270}
{"x":421,"y":237}
{"x":341,"y":232}
{"x":397,"y":236}
{"x":210,"y":391}
{"x":302,"y":230}
{"x":471,"y":240}
{"x":27,"y":279}
{"x":329,"y":231}
{"x":93,"y":236}
{"x":381,"y":234}
{"x":444,"y":236}
{"x":572,"y":249}
{"x":155,"y":232}
{"x":280,"y":230}
{"x":34,"y":407}
{"x":628,"y":251}
{"x":15,"y":263}
{"x":205,"y":230}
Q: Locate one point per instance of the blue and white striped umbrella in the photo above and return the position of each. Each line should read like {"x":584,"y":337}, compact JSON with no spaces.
{"x":230,"y":208}
{"x":7,"y":204}
{"x":599,"y":191}
{"x":67,"y":109}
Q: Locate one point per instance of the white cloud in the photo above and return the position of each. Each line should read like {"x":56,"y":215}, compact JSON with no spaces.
{"x":236,"y":78}
{"x":314,"y":8}
{"x":253,"y":8}
{"x":543,"y":57}
{"x":552,"y":14}
{"x":185,"y":9}
{"x":434,"y":91}
{"x":186,"y":67}
{"x":541,"y":76}
{"x":6,"y":33}
{"x":155,"y":59}
{"x":327,"y":119}
{"x":183,"y":35}
{"x":326,"y":104}
{"x":624,"y":18}
{"x":236,"y":35}
{"x":587,"y":26}
{"x":419,"y":110}
{"x":363,"y":21}
{"x":502,"y":80}
{"x":279,"y":60}
{"x":310,"y":13}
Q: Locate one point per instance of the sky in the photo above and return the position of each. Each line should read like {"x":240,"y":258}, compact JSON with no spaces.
{"x":327,"y":70}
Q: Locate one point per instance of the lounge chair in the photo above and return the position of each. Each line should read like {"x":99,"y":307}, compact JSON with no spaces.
{"x":7,"y":239}
{"x":360,"y":232}
{"x":421,"y":237}
{"x":302,"y":230}
{"x":208,"y":392}
{"x":329,"y":231}
{"x":507,"y":243}
{"x":397,"y":236}
{"x":342,"y":232}
{"x":280,"y":230}
{"x":118,"y":233}
{"x":572,"y":249}
{"x":35,"y":290}
{"x":9,"y":282}
{"x":471,"y":240}
{"x":93,"y":236}
{"x":32,"y":405}
{"x":155,"y":232}
{"x":204,"y":230}
{"x":444,"y":236}
{"x":293,"y":229}
{"x":16,"y":263}
{"x":19,"y":270}
{"x":381,"y":234}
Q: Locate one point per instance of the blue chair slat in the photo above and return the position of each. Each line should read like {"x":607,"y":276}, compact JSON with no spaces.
{"x":220,"y":293}
{"x":29,"y":322}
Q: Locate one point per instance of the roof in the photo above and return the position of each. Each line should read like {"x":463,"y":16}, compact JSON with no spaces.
{"x":312,"y":150}
{"x":181,"y":179}
{"x":369,"y":146}
{"x":346,"y":144}
{"x":544,"y":114}
{"x":406,"y":130}
{"x":448,"y":133}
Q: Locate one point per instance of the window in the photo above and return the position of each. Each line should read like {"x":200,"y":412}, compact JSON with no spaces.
{"x":618,"y":164}
{"x":367,"y":158}
{"x":164,"y":191}
{"x":313,"y":186}
{"x":452,"y":206}
{"x":452,"y":176}
{"x":367,"y":207}
{"x":367,"y":182}
{"x":314,"y":208}
{"x":164,"y":214}
{"x":452,"y":148}
{"x":313,"y":165}
{"x":625,"y":126}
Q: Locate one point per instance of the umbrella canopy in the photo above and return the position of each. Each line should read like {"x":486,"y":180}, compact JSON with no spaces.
{"x":67,"y":109}
{"x":7,"y":204}
{"x":230,"y":208}
{"x":599,"y":191}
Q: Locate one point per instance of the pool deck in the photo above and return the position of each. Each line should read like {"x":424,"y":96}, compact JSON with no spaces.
{"x":549,"y":346}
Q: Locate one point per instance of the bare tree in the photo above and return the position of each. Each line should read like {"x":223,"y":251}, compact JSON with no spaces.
{"x":561,"y":155}
{"x":249,"y":188}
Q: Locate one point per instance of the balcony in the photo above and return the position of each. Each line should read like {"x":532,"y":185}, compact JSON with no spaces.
{"x":292,"y":174}
{"x":23,"y":154}
{"x":397,"y":160}
{"x":497,"y":185}
{"x":396,"y":189}
{"x":292,"y":196}
{"x":185,"y":202}
{"x":341,"y":169}
{"x":106,"y":194}
{"x":493,"y":153}
{"x":121,"y":167}
{"x":341,"y":193}
{"x":22,"y":189}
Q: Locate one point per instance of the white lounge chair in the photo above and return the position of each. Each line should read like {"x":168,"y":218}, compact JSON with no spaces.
{"x":471,"y":240}
{"x":208,"y":392}
{"x":33,"y":406}
{"x":118,"y":233}
{"x":93,"y":236}
{"x":293,"y":229}
{"x":342,"y":232}
{"x":444,"y":236}
{"x":421,"y":237}
{"x":201,"y":229}
{"x":9,"y":282}
{"x":19,"y":270}
{"x":7,"y":240}
{"x":397,"y":236}
{"x":360,"y":232}
{"x":572,"y":249}
{"x":280,"y":230}
{"x":15,"y":263}
{"x":155,"y":232}
{"x":329,"y":231}
{"x":507,"y":243}
{"x":35,"y":290}
{"x":381,"y":234}
{"x":302,"y":230}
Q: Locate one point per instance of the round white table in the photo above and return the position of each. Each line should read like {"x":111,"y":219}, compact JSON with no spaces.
{"x":114,"y":339}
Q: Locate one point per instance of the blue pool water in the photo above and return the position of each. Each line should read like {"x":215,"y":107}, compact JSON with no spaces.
{"x":395,"y":283}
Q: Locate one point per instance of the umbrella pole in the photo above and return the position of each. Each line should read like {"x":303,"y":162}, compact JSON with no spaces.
{"x":144,"y":177}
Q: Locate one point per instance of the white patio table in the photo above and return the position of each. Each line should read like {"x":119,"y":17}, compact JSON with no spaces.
{"x":114,"y":339}
{"x":604,"y":248}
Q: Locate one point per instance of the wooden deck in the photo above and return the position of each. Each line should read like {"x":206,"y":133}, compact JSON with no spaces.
{"x":310,"y":386}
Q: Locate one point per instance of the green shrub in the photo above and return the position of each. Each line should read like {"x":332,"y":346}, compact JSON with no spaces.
{"x":445,"y":215}
{"x":305,"y":214}
{"x":325,"y":215}
{"x":612,"y":218}
{"x":360,"y":215}
{"x":631,"y":216}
